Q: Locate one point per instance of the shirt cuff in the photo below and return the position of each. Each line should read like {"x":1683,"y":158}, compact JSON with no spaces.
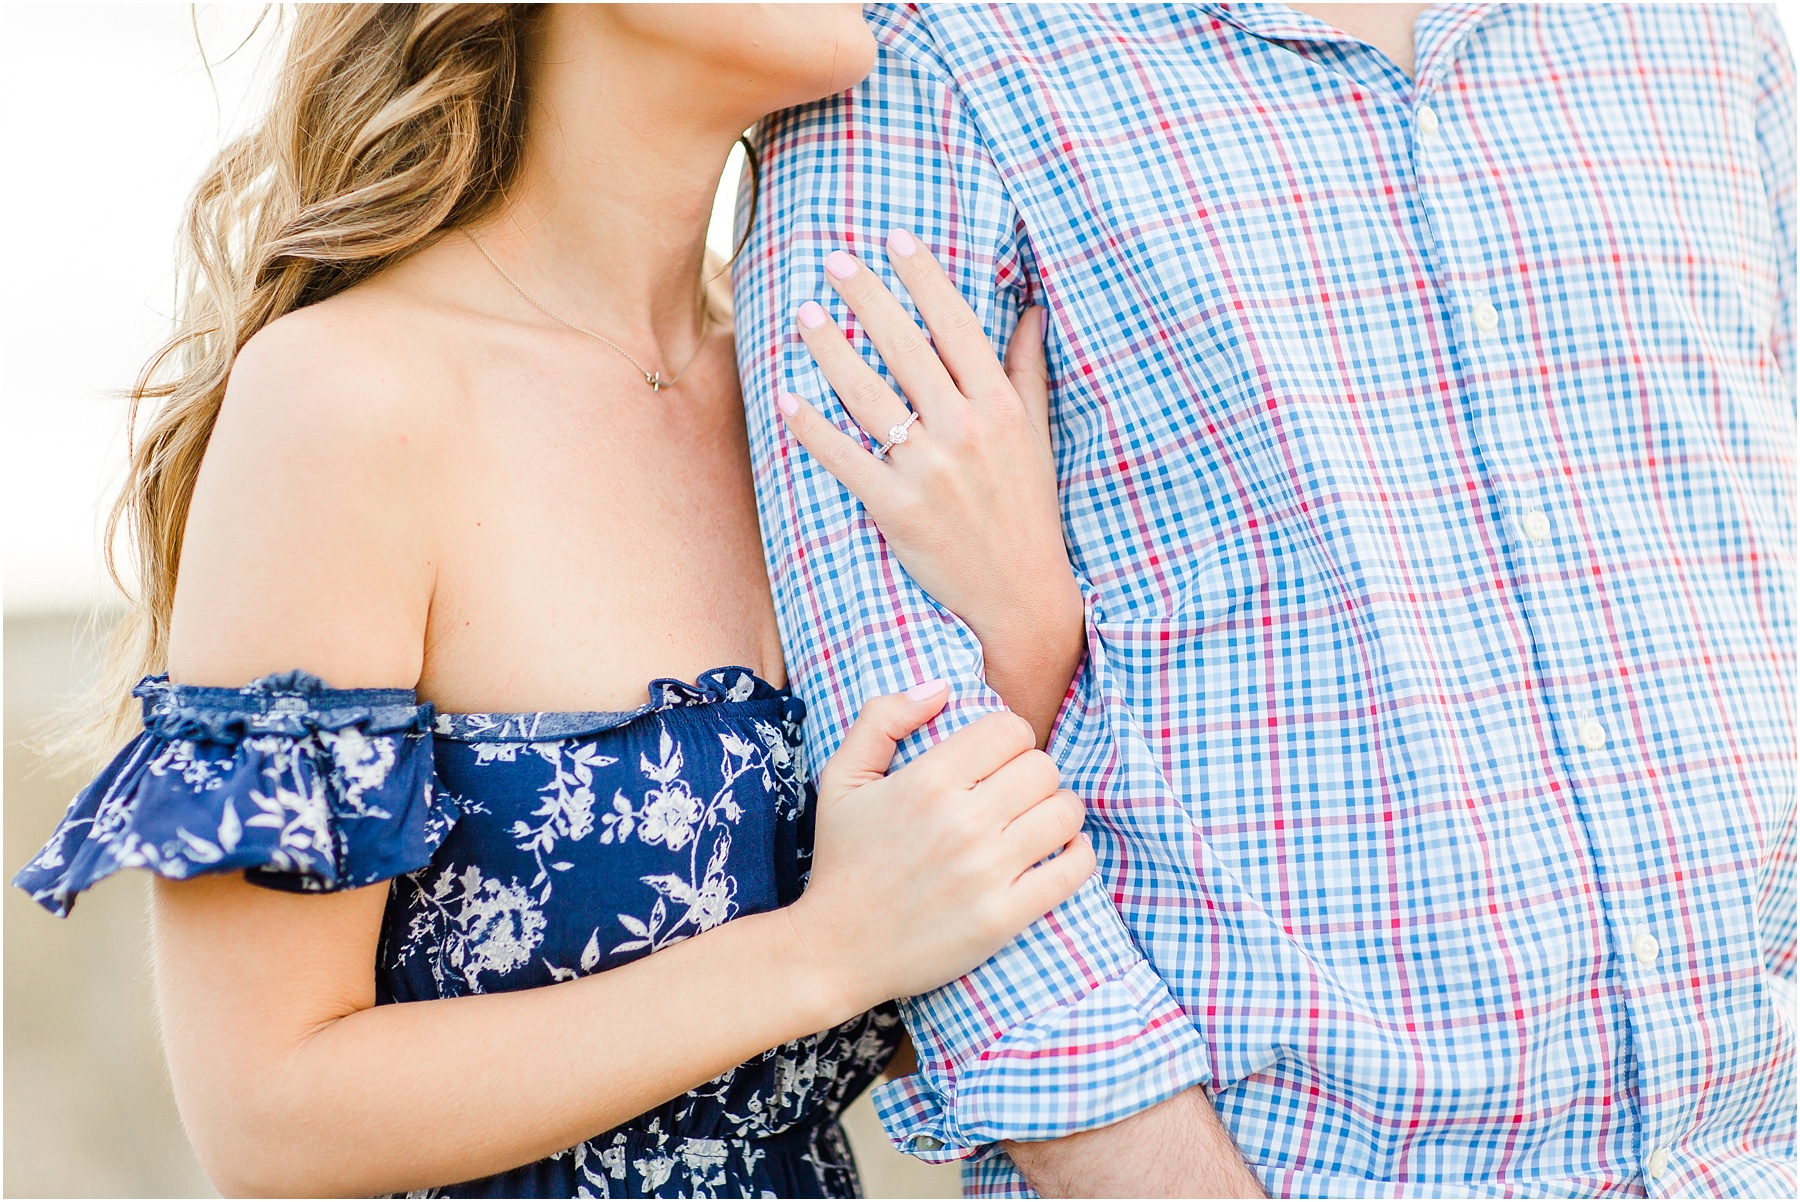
{"x":1121,"y":1047}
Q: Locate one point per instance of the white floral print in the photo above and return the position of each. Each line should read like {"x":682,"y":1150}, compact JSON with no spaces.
{"x":566,"y":808}
{"x":279,"y":802}
{"x":472,"y":924}
{"x":673,"y":816}
{"x":523,"y":850}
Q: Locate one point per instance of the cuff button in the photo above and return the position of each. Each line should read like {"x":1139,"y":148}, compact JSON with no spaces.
{"x":927,"y":1143}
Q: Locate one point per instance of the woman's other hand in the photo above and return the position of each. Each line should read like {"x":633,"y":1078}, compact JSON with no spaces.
{"x":966,"y":495}
{"x":921,"y":875}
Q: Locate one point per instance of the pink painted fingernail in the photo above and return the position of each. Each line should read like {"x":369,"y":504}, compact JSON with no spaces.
{"x":812,"y":315}
{"x":788,"y":403}
{"x":840,"y":265}
{"x":925,"y":690}
{"x":902,"y":243}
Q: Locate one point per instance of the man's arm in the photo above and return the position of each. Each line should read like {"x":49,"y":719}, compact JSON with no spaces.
{"x":1068,"y":1030}
{"x":1133,"y":1158}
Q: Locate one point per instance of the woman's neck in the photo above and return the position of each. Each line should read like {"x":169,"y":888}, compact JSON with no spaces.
{"x":606,"y":223}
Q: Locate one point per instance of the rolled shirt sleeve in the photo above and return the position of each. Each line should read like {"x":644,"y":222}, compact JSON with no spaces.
{"x":1068,"y":1027}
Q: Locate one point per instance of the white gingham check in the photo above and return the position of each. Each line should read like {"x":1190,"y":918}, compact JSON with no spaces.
{"x":1427,"y":455}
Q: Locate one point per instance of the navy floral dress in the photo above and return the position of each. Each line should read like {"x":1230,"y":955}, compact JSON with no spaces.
{"x":524,"y":849}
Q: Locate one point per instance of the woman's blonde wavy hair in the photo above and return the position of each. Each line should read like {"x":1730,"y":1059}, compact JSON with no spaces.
{"x":390,"y":124}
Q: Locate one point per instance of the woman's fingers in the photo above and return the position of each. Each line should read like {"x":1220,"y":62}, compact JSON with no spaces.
{"x":903,"y":345}
{"x":961,"y":365}
{"x":1018,"y":785}
{"x":874,"y":406}
{"x":975,"y":752}
{"x":961,"y":340}
{"x":855,"y":468}
{"x":1041,"y":889}
{"x":868,"y":747}
{"x":1043,"y":828}
{"x":1029,"y":371}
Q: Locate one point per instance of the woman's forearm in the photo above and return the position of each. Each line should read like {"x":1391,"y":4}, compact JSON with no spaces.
{"x":399,"y":1097}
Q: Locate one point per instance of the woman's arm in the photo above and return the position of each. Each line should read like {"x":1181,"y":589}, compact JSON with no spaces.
{"x":292,"y":1082}
{"x":308,"y":546}
{"x":968,"y":502}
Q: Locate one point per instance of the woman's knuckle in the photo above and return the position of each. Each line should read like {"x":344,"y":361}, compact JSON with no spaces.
{"x":835,"y":455}
{"x":965,"y":437}
{"x":969,"y":827}
{"x":931,"y":781}
{"x":961,"y":319}
{"x":1032,"y":787}
{"x":881,"y":708}
{"x":933,"y":468}
{"x":1005,"y":411}
{"x":1043,"y":769}
{"x":867,"y":391}
{"x":908,"y":501}
{"x":995,"y":732}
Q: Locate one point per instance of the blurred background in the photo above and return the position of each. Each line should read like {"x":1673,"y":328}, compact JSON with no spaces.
{"x":108,"y":113}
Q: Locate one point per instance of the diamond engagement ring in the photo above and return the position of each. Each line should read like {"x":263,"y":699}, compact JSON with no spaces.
{"x":897,"y":434}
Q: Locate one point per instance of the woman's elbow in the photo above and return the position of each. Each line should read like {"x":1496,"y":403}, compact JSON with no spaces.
{"x":242,"y":1165}
{"x":259,"y":1144}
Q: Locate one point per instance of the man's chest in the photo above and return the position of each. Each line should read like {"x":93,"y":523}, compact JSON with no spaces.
{"x":1287,"y":283}
{"x":1288,"y":212}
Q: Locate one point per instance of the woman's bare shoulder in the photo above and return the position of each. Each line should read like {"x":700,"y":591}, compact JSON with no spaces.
{"x":360,"y":365}
{"x":309,"y":541}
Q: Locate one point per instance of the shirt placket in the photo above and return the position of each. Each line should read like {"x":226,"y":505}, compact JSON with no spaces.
{"x":1534,"y":492}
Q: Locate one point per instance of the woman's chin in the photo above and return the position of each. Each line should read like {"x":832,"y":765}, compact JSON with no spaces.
{"x":780,"y":55}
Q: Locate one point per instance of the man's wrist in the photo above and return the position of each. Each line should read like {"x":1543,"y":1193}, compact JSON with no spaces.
{"x":1032,"y":652}
{"x":1175,"y":1149}
{"x":1039,"y":623}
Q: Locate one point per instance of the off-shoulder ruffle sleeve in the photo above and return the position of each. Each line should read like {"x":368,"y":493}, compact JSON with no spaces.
{"x":300,"y":786}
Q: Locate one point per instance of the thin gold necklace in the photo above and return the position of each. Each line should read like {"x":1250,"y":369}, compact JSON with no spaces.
{"x":653,"y":378}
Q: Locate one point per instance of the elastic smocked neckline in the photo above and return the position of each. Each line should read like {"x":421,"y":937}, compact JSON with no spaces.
{"x":721,"y":686}
{"x":283,"y":703}
{"x":296,"y":703}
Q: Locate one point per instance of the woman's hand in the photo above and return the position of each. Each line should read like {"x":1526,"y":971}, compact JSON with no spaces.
{"x":921,"y":875}
{"x":967,"y":498}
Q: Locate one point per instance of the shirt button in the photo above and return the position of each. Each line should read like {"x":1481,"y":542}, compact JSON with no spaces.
{"x":1658,"y":1163}
{"x":1591,"y":734}
{"x":1645,"y":947}
{"x":1487,"y":318}
{"x":927,"y":1143}
{"x":1427,"y":120}
{"x":1536,"y":524}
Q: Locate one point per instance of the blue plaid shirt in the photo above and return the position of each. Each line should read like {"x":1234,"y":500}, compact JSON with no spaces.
{"x":1427,"y":456}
